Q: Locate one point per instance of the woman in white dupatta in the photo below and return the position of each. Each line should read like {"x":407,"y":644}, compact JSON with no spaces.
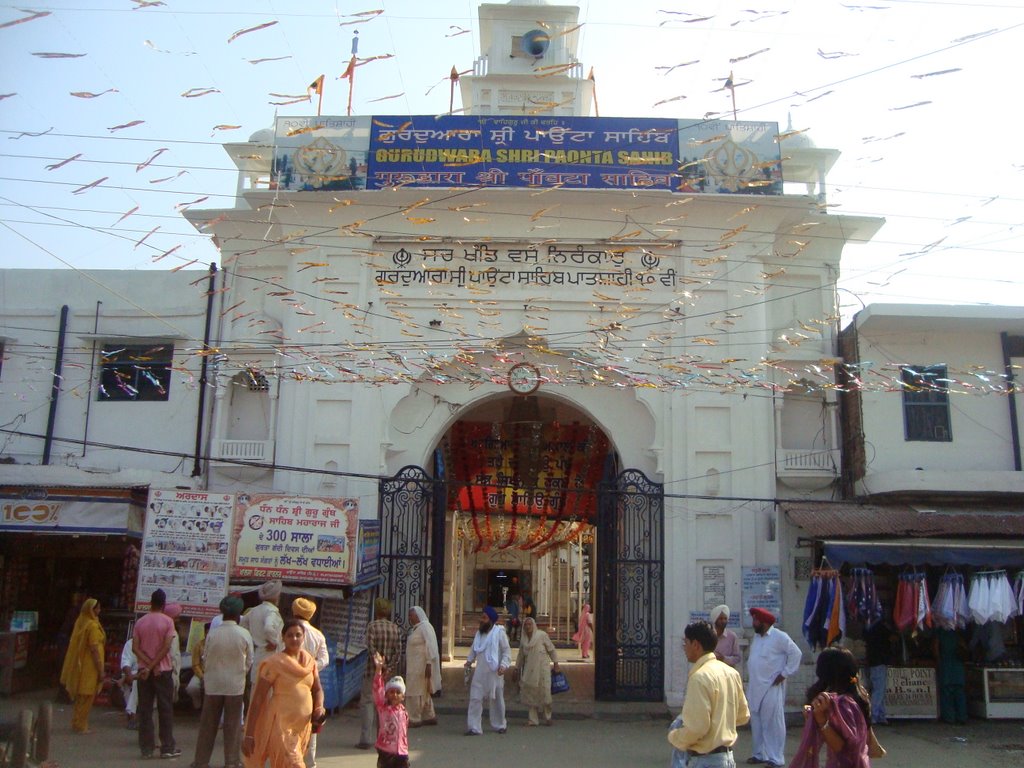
{"x":423,"y":670}
{"x":535,"y":671}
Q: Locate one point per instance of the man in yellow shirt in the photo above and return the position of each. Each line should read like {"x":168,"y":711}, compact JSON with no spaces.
{"x":714,"y":704}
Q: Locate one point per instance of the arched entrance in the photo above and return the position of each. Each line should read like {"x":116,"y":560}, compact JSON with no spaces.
{"x":524,"y":494}
{"x":523,"y":475}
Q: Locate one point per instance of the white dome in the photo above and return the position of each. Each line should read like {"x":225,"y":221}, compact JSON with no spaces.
{"x":797,"y":141}
{"x":263,"y":136}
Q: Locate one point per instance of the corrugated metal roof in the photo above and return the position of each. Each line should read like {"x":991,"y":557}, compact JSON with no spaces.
{"x":850,"y":521}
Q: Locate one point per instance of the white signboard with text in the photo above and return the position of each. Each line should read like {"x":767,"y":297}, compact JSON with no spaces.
{"x":295,"y":538}
{"x":185,"y":550}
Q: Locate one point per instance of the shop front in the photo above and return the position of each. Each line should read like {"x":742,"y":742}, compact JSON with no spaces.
{"x":945,"y":611}
{"x":59,"y":546}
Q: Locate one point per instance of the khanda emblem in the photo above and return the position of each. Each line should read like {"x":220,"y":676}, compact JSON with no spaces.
{"x":731,"y":167}
{"x":321,"y":160}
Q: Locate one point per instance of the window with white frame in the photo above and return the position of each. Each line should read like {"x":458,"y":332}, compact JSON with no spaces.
{"x":135,"y":372}
{"x":925,"y":403}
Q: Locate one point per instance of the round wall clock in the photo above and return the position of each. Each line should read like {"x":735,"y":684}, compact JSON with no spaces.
{"x":523,"y":379}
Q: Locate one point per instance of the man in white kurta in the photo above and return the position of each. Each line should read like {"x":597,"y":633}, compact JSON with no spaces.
{"x":423,"y":669}
{"x":264,"y":623}
{"x":493,"y":655}
{"x":773,"y":658}
{"x":315,"y":644}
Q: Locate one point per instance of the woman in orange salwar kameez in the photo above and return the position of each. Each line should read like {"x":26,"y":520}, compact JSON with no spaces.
{"x":286,"y":698}
{"x":82,"y":673}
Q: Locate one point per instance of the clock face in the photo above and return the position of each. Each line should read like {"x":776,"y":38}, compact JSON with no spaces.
{"x":523,"y":379}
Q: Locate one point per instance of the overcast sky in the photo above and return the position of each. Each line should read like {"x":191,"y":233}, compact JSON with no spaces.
{"x":920,"y":97}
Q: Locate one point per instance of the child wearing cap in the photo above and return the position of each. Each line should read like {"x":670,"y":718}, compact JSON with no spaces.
{"x":393,"y":731}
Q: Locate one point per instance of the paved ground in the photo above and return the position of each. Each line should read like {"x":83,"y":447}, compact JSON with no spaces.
{"x":620,"y":736}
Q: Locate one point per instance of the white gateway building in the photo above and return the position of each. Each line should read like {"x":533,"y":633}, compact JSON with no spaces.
{"x":573,"y":355}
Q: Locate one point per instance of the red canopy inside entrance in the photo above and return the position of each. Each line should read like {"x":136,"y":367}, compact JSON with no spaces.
{"x":547,"y":473}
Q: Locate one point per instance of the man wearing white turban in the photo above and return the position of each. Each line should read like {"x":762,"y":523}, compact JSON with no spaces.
{"x":423,"y":665}
{"x":728,"y":648}
{"x":264,"y":623}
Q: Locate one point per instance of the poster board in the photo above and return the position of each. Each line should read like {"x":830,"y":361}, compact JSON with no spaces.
{"x":911,"y":692}
{"x":186,"y":550}
{"x":301,"y":539}
{"x":368,"y":550}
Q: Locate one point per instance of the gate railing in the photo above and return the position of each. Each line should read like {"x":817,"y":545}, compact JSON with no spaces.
{"x":410,"y":567}
{"x":630,"y":610}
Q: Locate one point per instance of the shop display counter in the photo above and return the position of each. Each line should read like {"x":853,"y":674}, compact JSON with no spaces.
{"x":995,"y":692}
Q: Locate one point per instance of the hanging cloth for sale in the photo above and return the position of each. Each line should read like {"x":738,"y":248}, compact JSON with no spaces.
{"x":807,"y":627}
{"x":862,"y":603}
{"x":991,"y":597}
{"x":912,"y":609}
{"x":1018,"y":593}
{"x":924,"y":607}
{"x":950,"y":605}
{"x":824,"y":610}
{"x":835,"y":626}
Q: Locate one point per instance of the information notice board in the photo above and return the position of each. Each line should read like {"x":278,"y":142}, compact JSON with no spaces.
{"x":185,"y":550}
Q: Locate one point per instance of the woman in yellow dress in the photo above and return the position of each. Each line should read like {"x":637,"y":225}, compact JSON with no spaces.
{"x":82,"y":673}
{"x":286,"y":699}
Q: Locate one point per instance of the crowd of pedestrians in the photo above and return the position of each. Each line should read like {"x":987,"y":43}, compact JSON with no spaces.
{"x":258,"y":676}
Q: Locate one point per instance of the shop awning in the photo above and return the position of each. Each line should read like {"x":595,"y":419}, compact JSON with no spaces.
{"x":901,"y":534}
{"x":998,"y":554}
{"x":109,"y":512}
{"x":824,"y":520}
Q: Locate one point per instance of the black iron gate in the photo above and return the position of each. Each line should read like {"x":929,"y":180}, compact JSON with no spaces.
{"x":412,"y":545}
{"x":630,"y":612}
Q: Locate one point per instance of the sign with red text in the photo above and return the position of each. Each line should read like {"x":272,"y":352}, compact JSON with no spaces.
{"x":295,"y":538}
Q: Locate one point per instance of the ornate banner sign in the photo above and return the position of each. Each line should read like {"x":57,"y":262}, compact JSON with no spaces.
{"x":383,"y":152}
{"x":314,"y":154}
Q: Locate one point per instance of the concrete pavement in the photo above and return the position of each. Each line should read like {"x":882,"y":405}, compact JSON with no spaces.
{"x":623,"y":735}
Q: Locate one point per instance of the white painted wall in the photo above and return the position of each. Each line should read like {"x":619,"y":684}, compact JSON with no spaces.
{"x":979,"y":416}
{"x":136,"y":307}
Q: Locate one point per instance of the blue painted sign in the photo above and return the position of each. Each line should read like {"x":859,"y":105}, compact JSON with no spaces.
{"x":368,"y":550}
{"x":681,"y":156}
